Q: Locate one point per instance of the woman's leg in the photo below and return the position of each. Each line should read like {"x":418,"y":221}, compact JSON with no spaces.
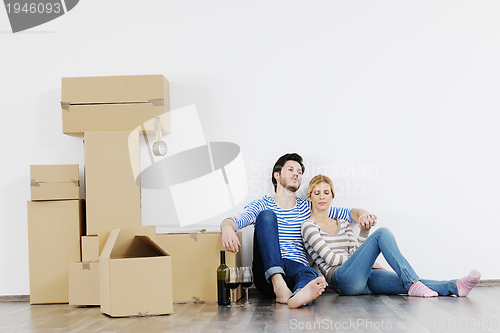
{"x":353,"y":279}
{"x":385,"y":282}
{"x":389,"y":248}
{"x":459,"y":287}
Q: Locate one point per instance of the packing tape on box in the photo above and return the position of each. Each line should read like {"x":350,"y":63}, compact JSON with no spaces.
{"x":156,"y":102}
{"x":65,"y":106}
{"x":86,"y":265}
{"x":194,"y":234}
{"x":35,"y":183}
{"x":204,"y":179}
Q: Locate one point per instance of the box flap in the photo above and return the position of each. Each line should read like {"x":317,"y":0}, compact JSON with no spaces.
{"x":114,"y":89}
{"x":54,"y":174}
{"x":110,"y":244}
{"x":125,"y":233}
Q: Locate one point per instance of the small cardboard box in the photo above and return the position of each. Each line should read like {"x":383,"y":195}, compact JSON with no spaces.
{"x":202,"y":251}
{"x":54,"y":231}
{"x":114,"y":103}
{"x":113,"y":197}
{"x":90,"y":248}
{"x":84,"y":283}
{"x":135,"y":275}
{"x":54,"y":182}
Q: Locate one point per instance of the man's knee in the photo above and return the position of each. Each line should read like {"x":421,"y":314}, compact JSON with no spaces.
{"x":266,"y":217}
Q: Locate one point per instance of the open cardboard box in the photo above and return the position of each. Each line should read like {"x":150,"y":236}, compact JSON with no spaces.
{"x":135,"y":275}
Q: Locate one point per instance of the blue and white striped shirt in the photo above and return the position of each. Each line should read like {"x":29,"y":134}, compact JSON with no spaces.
{"x":289,"y":223}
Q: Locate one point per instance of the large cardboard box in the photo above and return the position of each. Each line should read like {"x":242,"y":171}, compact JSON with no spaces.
{"x":114,"y":103}
{"x":54,"y":231}
{"x":90,"y":248}
{"x":135,"y":275}
{"x":113,"y":196}
{"x":55,"y":182}
{"x":199,"y":254}
{"x":84,"y":283}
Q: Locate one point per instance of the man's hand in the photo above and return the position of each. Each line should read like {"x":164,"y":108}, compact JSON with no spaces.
{"x":230,"y":241}
{"x":366,"y":221}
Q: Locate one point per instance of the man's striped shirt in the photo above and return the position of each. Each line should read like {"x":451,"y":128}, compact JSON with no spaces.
{"x":289,"y":223}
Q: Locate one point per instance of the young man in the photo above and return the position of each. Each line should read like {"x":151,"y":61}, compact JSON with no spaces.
{"x":280,"y":264}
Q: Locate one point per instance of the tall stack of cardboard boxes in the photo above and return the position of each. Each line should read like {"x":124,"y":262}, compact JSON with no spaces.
{"x":55,"y":225}
{"x":109,"y":258}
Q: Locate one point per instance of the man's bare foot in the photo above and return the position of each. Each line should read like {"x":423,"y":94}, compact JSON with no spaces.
{"x":312,"y":290}
{"x":281,"y":290}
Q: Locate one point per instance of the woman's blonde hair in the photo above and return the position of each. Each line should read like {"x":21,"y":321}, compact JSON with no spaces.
{"x":317,"y":180}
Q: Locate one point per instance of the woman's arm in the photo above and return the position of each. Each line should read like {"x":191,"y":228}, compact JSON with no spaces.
{"x":355,"y":243}
{"x":363,"y":218}
{"x":312,"y":237}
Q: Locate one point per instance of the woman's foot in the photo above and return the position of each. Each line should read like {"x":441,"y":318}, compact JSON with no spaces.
{"x":419,"y":289}
{"x":465,"y":284}
{"x":310,"y":292}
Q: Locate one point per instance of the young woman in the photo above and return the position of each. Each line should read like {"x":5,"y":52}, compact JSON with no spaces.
{"x":347,"y":262}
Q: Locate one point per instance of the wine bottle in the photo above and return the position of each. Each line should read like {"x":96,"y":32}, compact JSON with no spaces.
{"x":223,"y":295}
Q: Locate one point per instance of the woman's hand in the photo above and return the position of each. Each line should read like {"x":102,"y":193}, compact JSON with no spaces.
{"x":230,"y":241}
{"x":366,"y":221}
{"x":376,"y":265}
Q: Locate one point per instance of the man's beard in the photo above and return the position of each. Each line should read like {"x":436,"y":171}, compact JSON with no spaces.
{"x":291,"y":188}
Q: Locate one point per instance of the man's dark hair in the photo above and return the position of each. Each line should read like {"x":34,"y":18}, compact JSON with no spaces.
{"x":281,"y":162}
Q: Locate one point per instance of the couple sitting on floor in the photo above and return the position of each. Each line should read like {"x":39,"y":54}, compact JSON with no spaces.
{"x":287,"y":226}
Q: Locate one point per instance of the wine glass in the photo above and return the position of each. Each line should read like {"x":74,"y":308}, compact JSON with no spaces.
{"x":246,"y":281}
{"x":233,"y":281}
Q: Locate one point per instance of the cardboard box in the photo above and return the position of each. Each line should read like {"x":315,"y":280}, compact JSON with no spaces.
{"x":55,"y":182}
{"x":114,"y":103}
{"x":84,"y":283}
{"x":135,"y":275}
{"x":54,"y":231}
{"x":202,"y":251}
{"x":90,"y":248}
{"x":113,"y":197}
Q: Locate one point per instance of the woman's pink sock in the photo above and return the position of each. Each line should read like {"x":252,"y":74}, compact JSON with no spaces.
{"x":421,"y":290}
{"x":465,"y":284}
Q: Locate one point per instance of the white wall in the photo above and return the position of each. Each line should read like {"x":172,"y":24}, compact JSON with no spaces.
{"x":395,"y":100}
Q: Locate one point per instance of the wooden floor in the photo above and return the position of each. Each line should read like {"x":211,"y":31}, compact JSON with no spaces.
{"x":480,"y":312}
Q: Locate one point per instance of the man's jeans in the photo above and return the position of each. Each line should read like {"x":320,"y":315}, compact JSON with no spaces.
{"x":267,"y":259}
{"x":356,"y":276}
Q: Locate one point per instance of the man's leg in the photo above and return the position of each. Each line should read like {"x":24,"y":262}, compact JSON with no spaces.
{"x":267,"y":262}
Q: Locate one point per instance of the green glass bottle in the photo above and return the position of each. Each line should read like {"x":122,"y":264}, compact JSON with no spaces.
{"x":223,"y":295}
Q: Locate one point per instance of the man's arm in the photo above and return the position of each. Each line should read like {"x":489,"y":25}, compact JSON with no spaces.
{"x":230,"y":241}
{"x":363,"y":218}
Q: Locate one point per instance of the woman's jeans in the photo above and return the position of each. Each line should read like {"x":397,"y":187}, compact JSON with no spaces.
{"x":356,"y":276}
{"x":267,"y":259}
